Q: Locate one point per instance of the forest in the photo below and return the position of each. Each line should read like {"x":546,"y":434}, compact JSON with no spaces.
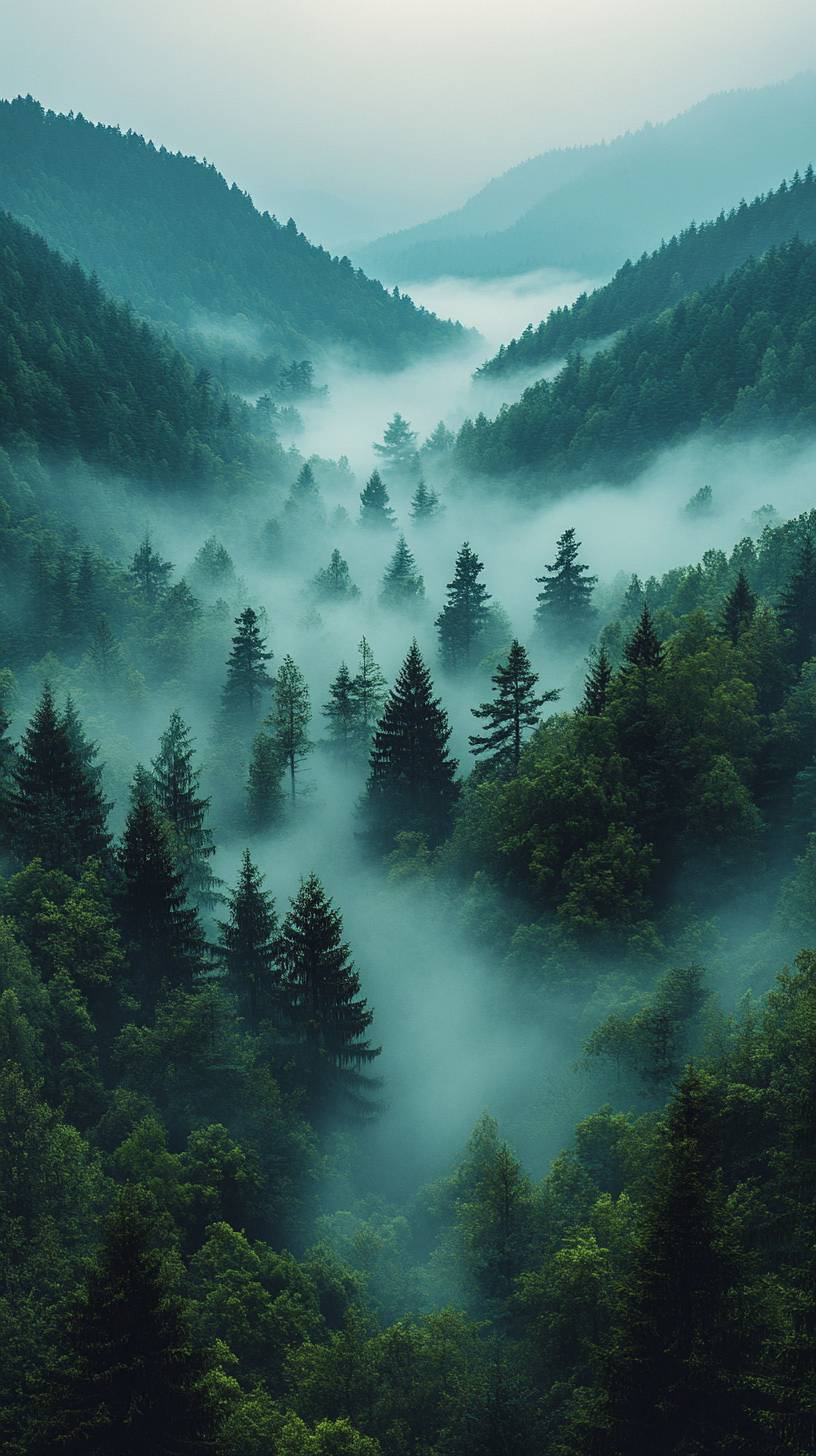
{"x":408,"y":855}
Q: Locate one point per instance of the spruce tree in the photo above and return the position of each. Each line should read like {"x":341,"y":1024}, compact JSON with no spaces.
{"x":398,"y":448}
{"x":740,"y":605}
{"x":264,"y":794}
{"x":105,"y":653}
{"x":162,"y":935}
{"x":320,"y":992}
{"x":150,"y":572}
{"x":797,"y":606}
{"x":596,"y":685}
{"x":515,"y":707}
{"x":369,"y":687}
{"x":175,"y":791}
{"x":132,"y":1382}
{"x":305,"y":504}
{"x":342,"y":712}
{"x":402,"y":584}
{"x":247,"y":945}
{"x":334,"y":583}
{"x":411,"y":785}
{"x":465,"y":614}
{"x":289,"y":720}
{"x":425,"y":504}
{"x":56,"y":809}
{"x":440,"y":442}
{"x":644,"y":648}
{"x":375,"y":507}
{"x":213,"y":569}
{"x":248,"y":680}
{"x":565,"y":605}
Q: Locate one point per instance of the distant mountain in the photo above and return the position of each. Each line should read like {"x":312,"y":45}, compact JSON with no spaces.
{"x":623,"y":197}
{"x":81,"y":377}
{"x":733,"y":359}
{"x":167,"y":233}
{"x":690,"y":261}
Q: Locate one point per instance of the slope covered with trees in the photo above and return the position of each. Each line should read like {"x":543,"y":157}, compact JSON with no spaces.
{"x":168,"y":233}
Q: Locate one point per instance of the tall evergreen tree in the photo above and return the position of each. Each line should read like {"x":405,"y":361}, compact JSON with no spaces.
{"x":644,"y":648}
{"x":440,"y":442}
{"x":369,"y":687}
{"x":105,"y":652}
{"x":150,"y":572}
{"x":411,"y":785}
{"x":515,"y":707}
{"x":565,"y":605}
{"x":402,"y":584}
{"x":797,"y":605}
{"x":334,"y":583}
{"x":176,"y":782}
{"x":290,"y":720}
{"x":425,"y":504}
{"x":248,"y":680}
{"x":305,"y":503}
{"x":375,"y":506}
{"x":133,"y":1381}
{"x":247,"y":945}
{"x":322,"y":1003}
{"x":465,"y":613}
{"x":740,"y":605}
{"x":56,"y":809}
{"x":8,"y":758}
{"x":342,"y":712}
{"x":264,"y":794}
{"x":597,"y":684}
{"x":398,"y":449}
{"x":162,"y":935}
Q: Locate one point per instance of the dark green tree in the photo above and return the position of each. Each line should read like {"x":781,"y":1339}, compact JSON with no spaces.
{"x":375,"y":507}
{"x":465,"y":614}
{"x":150,"y":572}
{"x":322,"y":1004}
{"x":333,"y":583}
{"x":248,"y":680}
{"x":289,"y":720}
{"x":56,"y":809}
{"x":247,"y":945}
{"x":565,"y":604}
{"x":398,"y":448}
{"x":425,"y":504}
{"x":342,"y":712}
{"x":175,"y":791}
{"x":596,"y":685}
{"x":369,"y":687}
{"x":411,"y":786}
{"x":740,"y":605}
{"x":514,"y":708}
{"x":797,"y":605}
{"x":644,"y":648}
{"x":402,"y":584}
{"x":264,"y":793}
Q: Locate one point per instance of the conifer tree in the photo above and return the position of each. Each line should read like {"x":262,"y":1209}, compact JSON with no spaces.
{"x":105,"y":652}
{"x":150,"y":572}
{"x":334,"y":583}
{"x":264,"y":794}
{"x":305,"y":502}
{"x":797,"y":605}
{"x":175,"y":792}
{"x":342,"y":712}
{"x":247,"y":945}
{"x":565,"y":605}
{"x":375,"y":507}
{"x":596,"y":685}
{"x":465,"y":614}
{"x":411,"y":785}
{"x":740,"y":605}
{"x":133,"y":1382}
{"x":402,"y":584}
{"x":56,"y":809}
{"x":515,"y":707}
{"x":320,"y":992}
{"x":248,"y":680}
{"x":162,"y":935}
{"x":8,"y":758}
{"x":369,"y":686}
{"x":633,"y":598}
{"x":644,"y":648}
{"x":290,"y":718}
{"x":440,"y":442}
{"x":425,"y":504}
{"x":213,"y":570}
{"x":398,"y":448}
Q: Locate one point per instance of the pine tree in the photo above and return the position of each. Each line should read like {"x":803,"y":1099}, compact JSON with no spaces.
{"x":150,"y":572}
{"x":247,"y":945}
{"x":290,"y":718}
{"x":8,"y":759}
{"x":342,"y":712}
{"x":369,"y":687}
{"x":175,"y":792}
{"x":425,"y":504}
{"x":398,"y":448}
{"x":440,"y":442}
{"x":334,"y":583}
{"x":644,"y":648}
{"x":247,"y":677}
{"x":633,"y":599}
{"x":411,"y":786}
{"x":105,"y":652}
{"x":596,"y":686}
{"x":305,"y":503}
{"x":465,"y":614}
{"x":320,"y":992}
{"x":515,"y":706}
{"x":132,"y":1381}
{"x":565,"y":605}
{"x":402,"y":584}
{"x":56,"y":809}
{"x":162,"y":935}
{"x":740,"y":605}
{"x":797,"y":606}
{"x":375,"y":507}
{"x":213,"y":570}
{"x":264,"y":793}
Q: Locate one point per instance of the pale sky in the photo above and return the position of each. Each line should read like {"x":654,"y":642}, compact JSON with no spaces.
{"x":403,"y":106}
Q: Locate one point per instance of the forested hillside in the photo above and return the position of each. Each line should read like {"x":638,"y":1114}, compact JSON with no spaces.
{"x":688,"y":262}
{"x":168,"y":234}
{"x":732,"y":359}
{"x":642,"y":186}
